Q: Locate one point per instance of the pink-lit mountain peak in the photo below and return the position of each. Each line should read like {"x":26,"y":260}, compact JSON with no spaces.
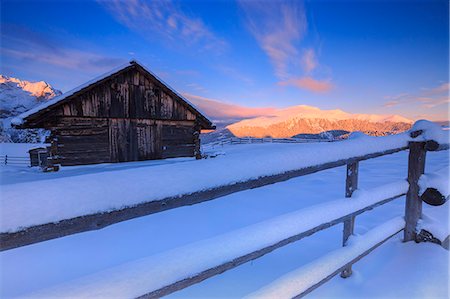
{"x":40,"y":89}
{"x":305,"y":119}
{"x":310,"y":112}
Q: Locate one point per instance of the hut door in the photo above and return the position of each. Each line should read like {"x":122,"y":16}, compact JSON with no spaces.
{"x":134,"y":140}
{"x":148,"y":140}
{"x":144,"y":140}
{"x":120,"y":140}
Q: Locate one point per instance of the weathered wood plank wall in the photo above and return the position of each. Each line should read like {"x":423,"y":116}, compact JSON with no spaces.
{"x":128,"y":117}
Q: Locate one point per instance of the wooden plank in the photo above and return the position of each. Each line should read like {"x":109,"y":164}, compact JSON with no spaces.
{"x":184,"y":283}
{"x":49,"y":231}
{"x":82,"y":132}
{"x":82,"y":139}
{"x":413,"y":206}
{"x":179,"y":150}
{"x":344,"y":267}
{"x":351,"y":184}
{"x":74,"y":162}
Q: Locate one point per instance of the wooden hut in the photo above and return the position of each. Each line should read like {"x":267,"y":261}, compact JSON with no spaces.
{"x":128,"y":114}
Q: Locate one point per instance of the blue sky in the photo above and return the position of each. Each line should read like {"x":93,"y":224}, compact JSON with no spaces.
{"x":387,"y":57}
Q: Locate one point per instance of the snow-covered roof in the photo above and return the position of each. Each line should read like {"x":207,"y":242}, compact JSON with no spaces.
{"x":20,"y":119}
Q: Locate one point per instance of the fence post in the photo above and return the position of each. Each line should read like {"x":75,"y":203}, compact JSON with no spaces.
{"x":351,"y":184}
{"x":413,"y":206}
{"x":6,"y":159}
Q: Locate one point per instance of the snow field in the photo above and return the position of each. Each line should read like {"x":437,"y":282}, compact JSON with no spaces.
{"x":58,"y":261}
{"x":143,"y":276}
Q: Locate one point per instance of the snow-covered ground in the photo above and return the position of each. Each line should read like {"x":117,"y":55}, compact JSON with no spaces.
{"x":393,"y":270}
{"x":33,"y":203}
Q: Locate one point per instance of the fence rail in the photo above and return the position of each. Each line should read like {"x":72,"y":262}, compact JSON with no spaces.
{"x":250,"y":140}
{"x":14,"y":160}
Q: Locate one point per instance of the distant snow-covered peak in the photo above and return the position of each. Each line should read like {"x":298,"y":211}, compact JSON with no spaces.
{"x":17,"y":96}
{"x":40,"y":89}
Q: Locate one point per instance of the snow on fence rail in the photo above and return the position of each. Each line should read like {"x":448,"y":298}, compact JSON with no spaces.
{"x":216,"y":255}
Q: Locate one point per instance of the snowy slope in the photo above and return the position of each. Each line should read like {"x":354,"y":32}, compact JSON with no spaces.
{"x":18,"y":96}
{"x":295,"y":120}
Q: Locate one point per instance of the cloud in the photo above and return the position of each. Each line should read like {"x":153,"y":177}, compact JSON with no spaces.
{"x":31,"y":48}
{"x":433,"y":102}
{"x":427,"y":98}
{"x":309,"y":60}
{"x":197,"y":87}
{"x":235,"y":74}
{"x":218,"y":110}
{"x":277,"y":27}
{"x":443,"y":88}
{"x":163,"y":19}
{"x":391,"y":104}
{"x":308,"y":83}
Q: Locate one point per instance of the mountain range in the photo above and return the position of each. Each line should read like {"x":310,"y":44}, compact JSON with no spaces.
{"x":292,"y":121}
{"x":239,"y":121}
{"x":17,"y":96}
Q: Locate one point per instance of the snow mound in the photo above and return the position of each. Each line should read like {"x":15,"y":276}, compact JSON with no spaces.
{"x":438,"y":180}
{"x":431,"y":131}
{"x":436,"y":221}
{"x":358,"y":135}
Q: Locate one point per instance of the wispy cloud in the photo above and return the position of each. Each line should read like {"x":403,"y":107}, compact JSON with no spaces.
{"x":65,"y":58}
{"x":164,"y":19}
{"x":221,"y":111}
{"x":391,"y":104}
{"x":443,"y":88}
{"x":279,"y":27}
{"x":197,"y":87}
{"x":235,"y":74}
{"x":308,"y":83}
{"x":433,"y":102}
{"x":309,"y":60}
{"x":25,"y":47}
{"x":426,"y":98}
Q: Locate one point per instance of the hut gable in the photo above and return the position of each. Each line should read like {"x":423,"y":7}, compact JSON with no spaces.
{"x":128,"y":114}
{"x":130,"y":91}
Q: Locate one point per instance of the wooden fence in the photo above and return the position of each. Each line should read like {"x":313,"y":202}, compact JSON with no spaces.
{"x":14,"y":160}
{"x":250,"y":140}
{"x":413,"y":210}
